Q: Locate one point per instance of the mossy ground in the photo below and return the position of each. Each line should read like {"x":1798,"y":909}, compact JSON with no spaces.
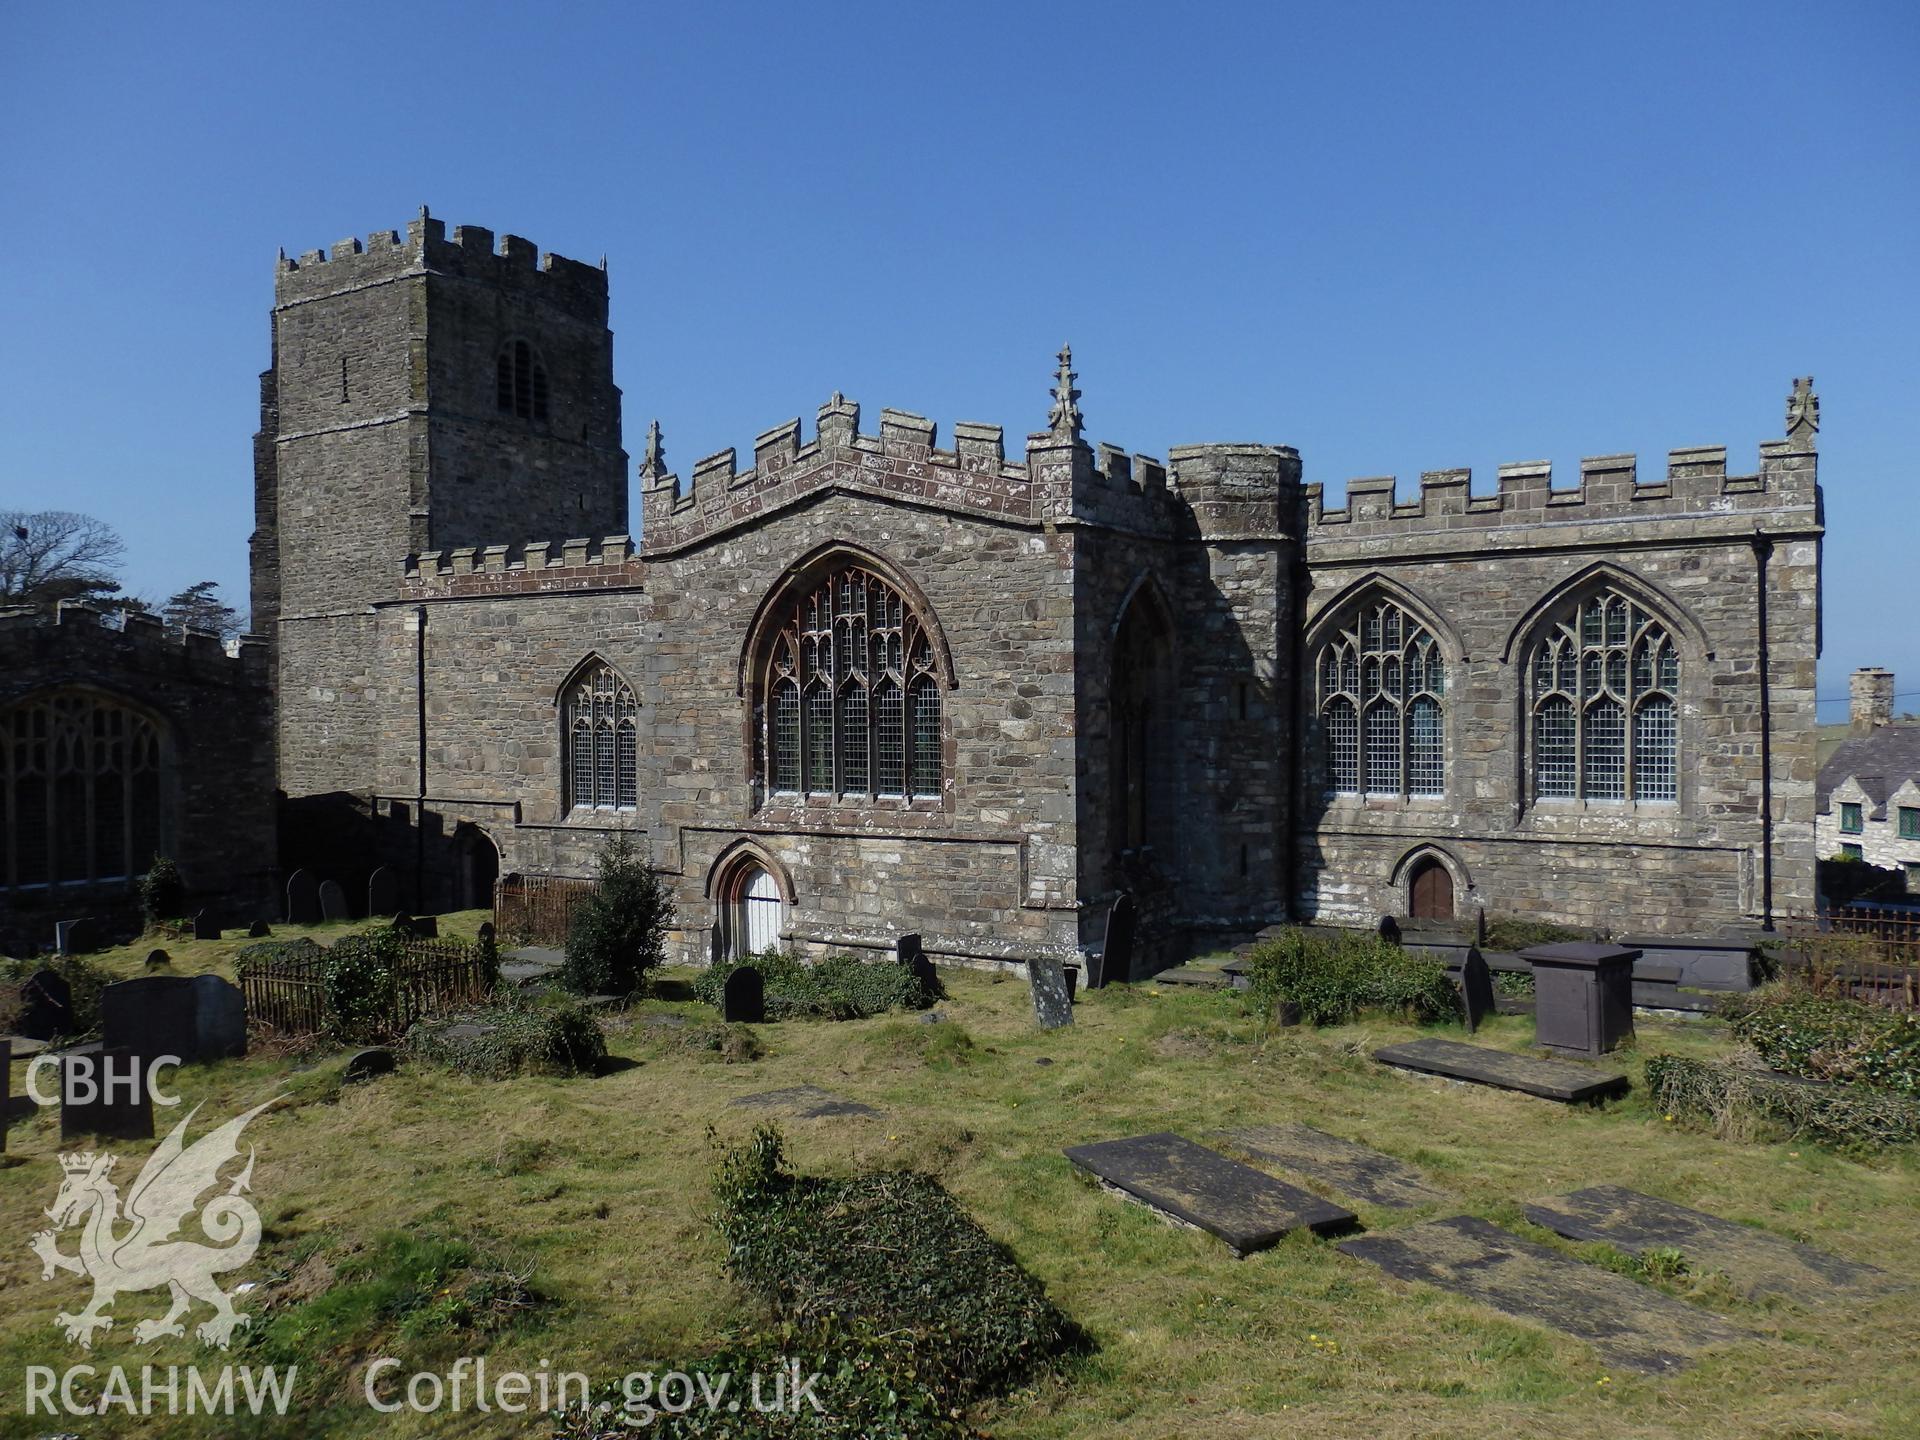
{"x":595,"y":1191}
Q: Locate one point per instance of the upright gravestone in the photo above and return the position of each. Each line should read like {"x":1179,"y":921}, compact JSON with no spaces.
{"x":1116,"y":951}
{"x":383,"y":892}
{"x":1476,"y":988}
{"x":333,"y":901}
{"x":6,"y":1089}
{"x":908,"y":951}
{"x":1389,"y":929}
{"x":1052,"y":1006}
{"x":219,"y":1018}
{"x":75,"y":937}
{"x":205,"y":927}
{"x":303,"y":899}
{"x":158,"y":960}
{"x":744,"y":1000}
{"x":152,"y":1017}
{"x":46,"y":1006}
{"x":259,"y":930}
{"x":103,"y":1091}
{"x":486,"y":935}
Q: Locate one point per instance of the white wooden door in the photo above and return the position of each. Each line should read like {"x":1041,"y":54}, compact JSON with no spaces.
{"x":761,"y":907}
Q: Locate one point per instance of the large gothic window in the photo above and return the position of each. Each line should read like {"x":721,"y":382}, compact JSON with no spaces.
{"x":603,"y":728}
{"x":1383,"y":686}
{"x":79,"y":792}
{"x":851,"y":702}
{"x":1603,"y":684}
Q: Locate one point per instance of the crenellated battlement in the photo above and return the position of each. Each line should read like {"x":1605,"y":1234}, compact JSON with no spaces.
{"x":425,"y":248}
{"x":608,"y":562}
{"x":81,"y":622}
{"x":1609,"y":488}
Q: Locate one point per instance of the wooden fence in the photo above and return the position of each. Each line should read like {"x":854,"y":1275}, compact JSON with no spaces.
{"x":534,"y":909}
{"x":289,"y":993}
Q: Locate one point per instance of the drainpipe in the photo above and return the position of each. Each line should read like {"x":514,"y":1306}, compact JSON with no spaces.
{"x":420,"y":746}
{"x":1295,"y":702}
{"x":1762,"y":552}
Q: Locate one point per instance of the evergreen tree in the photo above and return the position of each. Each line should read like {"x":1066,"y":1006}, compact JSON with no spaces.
{"x":618,"y":934}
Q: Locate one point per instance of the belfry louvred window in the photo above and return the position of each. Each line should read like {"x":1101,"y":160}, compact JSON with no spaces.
{"x":520,"y":382}
{"x":1603,"y":685}
{"x":603,"y":727}
{"x":851,"y":699}
{"x":1382,"y":695}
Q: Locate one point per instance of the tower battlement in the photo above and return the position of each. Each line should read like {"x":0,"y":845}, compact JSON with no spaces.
{"x":511,"y":262}
{"x":607,"y":562}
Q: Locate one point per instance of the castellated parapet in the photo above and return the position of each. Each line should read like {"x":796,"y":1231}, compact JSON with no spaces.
{"x":514,"y":264}
{"x":1696,"y":485}
{"x":136,"y":633}
{"x":534,"y":567}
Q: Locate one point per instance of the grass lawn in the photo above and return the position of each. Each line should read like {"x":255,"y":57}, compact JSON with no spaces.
{"x":596,"y":1189}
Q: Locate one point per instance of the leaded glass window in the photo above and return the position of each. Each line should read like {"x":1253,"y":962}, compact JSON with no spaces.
{"x":1603,"y":690}
{"x":79,"y":792}
{"x":1383,"y":683}
{"x":603,"y":729}
{"x":870,"y":725}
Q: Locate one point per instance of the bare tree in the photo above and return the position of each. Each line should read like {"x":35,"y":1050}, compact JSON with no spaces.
{"x":57,"y":555}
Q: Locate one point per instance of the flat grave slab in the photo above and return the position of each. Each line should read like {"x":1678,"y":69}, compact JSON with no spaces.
{"x":1245,"y":1207}
{"x":1631,"y":1326}
{"x":1351,"y":1168}
{"x":804,"y":1102}
{"x":1756,"y":1262}
{"x":1549,"y":1079}
{"x":1195,"y":978}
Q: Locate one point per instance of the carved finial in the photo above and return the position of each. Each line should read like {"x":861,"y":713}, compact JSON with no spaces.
{"x":653,"y":463}
{"x":1803,"y":411}
{"x":423,"y":213}
{"x":836,"y":400}
{"x":1064,"y":419}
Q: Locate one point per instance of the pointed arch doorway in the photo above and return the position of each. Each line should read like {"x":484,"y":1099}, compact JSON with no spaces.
{"x":758,"y":913}
{"x":1430,"y":890}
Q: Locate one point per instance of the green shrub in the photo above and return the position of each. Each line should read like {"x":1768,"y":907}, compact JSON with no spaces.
{"x":263,"y":954}
{"x":1827,"y":1038}
{"x":1509,"y":934}
{"x":1742,"y":1104}
{"x":85,"y":980}
{"x":840,"y":987}
{"x":513,"y":1037}
{"x":892,"y":1250}
{"x":1334,"y":979}
{"x":362,"y":980}
{"x":163,"y":894}
{"x":617,"y":935}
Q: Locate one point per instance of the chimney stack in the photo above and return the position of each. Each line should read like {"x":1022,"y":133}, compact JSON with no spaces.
{"x":1870,"y":693}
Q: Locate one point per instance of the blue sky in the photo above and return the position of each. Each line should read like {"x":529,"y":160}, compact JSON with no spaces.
{"x":1397,"y":237}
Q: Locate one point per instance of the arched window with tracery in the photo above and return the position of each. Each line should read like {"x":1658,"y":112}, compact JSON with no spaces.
{"x":1382,"y":696}
{"x":851,"y":699}
{"x":603,"y":742}
{"x":520,"y":382}
{"x":1604,"y":684}
{"x":80,"y":787}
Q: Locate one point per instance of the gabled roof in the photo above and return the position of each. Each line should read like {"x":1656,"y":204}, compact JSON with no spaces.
{"x":1880,"y":762}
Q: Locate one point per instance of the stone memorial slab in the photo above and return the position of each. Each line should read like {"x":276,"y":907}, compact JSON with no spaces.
{"x":1583,"y":996}
{"x":76,"y":937}
{"x":153,"y":1017}
{"x":417,"y":927}
{"x":6,"y":1089}
{"x":46,"y":1006}
{"x":1350,"y":1168}
{"x":743,"y":1001}
{"x":1052,"y":1005}
{"x":104,"y":1092}
{"x":158,"y":960}
{"x":1115,"y":963}
{"x":1756,"y":1262}
{"x":205,"y":925}
{"x":333,"y":901}
{"x":804,"y":1102}
{"x":220,"y":1018}
{"x":303,"y":899}
{"x":1475,"y":979}
{"x":383,"y":892}
{"x":908,"y":951}
{"x":1245,"y":1207}
{"x":1630,"y":1325}
{"x":1549,"y":1079}
{"x":259,"y":930}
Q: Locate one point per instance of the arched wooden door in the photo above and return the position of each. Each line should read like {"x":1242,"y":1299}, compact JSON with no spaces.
{"x":1430,"y":891}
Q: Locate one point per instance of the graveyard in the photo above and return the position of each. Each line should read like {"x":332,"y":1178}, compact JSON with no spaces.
{"x":1260,"y":1229}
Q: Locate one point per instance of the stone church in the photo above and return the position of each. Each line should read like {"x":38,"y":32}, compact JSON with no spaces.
{"x":867,"y":682}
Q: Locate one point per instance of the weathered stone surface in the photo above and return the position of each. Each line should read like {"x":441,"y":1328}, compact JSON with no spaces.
{"x":1633,"y":1327}
{"x":1246,"y":1208}
{"x":805,"y":1102}
{"x":1475,"y":982}
{"x":1583,"y":996}
{"x":1549,"y":1079}
{"x":1350,"y":1168}
{"x":1756,"y":1262}
{"x":1052,"y":1005}
{"x":191,"y":1018}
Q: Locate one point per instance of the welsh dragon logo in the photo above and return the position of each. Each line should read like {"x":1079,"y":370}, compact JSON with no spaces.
{"x":146,"y":1255}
